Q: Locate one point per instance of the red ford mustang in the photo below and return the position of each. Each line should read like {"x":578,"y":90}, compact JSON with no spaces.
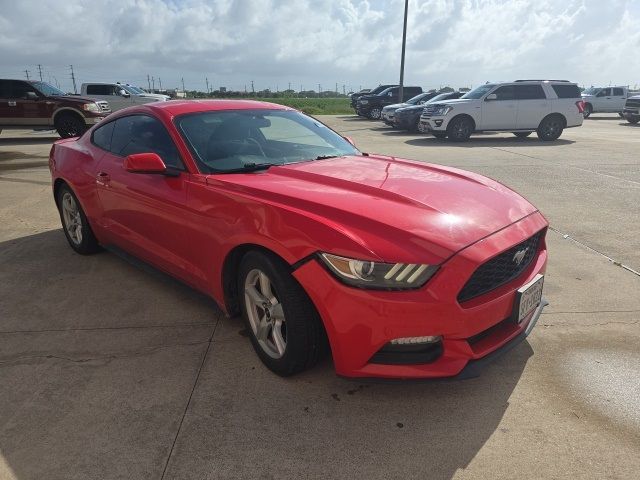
{"x":402,"y":269}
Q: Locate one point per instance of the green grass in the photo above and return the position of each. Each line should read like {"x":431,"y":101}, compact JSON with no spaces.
{"x":315,"y":106}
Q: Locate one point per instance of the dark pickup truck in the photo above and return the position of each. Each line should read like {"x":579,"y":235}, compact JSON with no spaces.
{"x":370,"y":105}
{"x":356,"y":96}
{"x":35,"y":105}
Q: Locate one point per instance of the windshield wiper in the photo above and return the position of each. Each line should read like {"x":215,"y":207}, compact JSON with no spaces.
{"x":248,"y":167}
{"x":324,"y":157}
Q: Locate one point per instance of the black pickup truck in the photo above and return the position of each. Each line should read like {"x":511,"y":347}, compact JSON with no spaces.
{"x":357,"y":95}
{"x":371,"y":105}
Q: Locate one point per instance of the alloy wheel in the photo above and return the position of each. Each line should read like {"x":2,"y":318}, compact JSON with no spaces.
{"x":375,"y":113}
{"x":72,"y":218}
{"x":265,"y":313}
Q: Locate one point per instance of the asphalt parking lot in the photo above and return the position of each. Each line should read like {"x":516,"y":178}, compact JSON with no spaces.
{"x":109,"y":370}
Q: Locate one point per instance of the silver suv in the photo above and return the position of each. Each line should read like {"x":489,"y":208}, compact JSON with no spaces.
{"x":522,"y":107}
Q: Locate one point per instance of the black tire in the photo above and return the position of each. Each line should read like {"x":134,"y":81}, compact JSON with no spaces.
{"x":522,"y":134}
{"x":306,"y":340}
{"x":633,"y":120}
{"x":374,"y":113}
{"x":620,"y":114}
{"x":550,"y":128}
{"x":588,"y":110}
{"x":460,"y":129}
{"x":87,"y":244}
{"x":69,"y":125}
{"x":439,"y":135}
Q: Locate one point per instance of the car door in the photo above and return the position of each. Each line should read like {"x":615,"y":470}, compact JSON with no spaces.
{"x":145,"y":213}
{"x":618,"y":99}
{"x":6,"y":110}
{"x":499,"y":113}
{"x":533,"y":106}
{"x":602,"y":100}
{"x":107,"y":93}
{"x":22,"y":110}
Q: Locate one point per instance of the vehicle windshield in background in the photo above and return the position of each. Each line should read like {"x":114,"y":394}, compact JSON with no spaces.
{"x":138,"y":90}
{"x":416,"y":99}
{"x":384,"y":92}
{"x":478,"y":92}
{"x":591,"y":91}
{"x":437,"y":98}
{"x":47,"y":89}
{"x":129,"y":89}
{"x":231,"y":140}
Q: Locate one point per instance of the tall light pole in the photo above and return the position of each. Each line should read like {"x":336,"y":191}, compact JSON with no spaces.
{"x":404,"y":42}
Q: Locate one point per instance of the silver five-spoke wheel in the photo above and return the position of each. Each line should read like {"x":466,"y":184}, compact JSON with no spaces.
{"x":72,"y":218}
{"x":265,"y":313}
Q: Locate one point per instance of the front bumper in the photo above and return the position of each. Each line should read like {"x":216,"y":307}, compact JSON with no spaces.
{"x":406,"y":122}
{"x":94,"y":120}
{"x":436,"y":124}
{"x":360,"y":322}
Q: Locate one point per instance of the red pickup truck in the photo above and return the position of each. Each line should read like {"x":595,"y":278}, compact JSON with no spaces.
{"x":30,"y":104}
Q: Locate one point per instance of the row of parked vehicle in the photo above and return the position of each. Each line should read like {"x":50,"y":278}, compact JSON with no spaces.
{"x":522,"y":107}
{"x":35,"y":104}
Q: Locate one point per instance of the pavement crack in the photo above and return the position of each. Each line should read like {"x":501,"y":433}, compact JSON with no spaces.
{"x":104,"y":358}
{"x":617,"y":263}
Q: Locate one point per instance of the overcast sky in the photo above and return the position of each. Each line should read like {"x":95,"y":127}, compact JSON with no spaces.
{"x":306,"y":42}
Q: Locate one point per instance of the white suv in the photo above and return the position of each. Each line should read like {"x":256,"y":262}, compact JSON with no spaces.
{"x":522,"y":107}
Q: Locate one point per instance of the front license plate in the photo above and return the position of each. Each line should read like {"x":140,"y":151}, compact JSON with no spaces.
{"x":529,"y":297}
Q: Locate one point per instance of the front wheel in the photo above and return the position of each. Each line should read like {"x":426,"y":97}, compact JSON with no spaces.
{"x":550,"y":128}
{"x":69,"y":125}
{"x":285,"y":329}
{"x":522,"y":134}
{"x":374,"y":113}
{"x":588,"y":110}
{"x":633,"y":120}
{"x":460,"y":129}
{"x":74,"y":223}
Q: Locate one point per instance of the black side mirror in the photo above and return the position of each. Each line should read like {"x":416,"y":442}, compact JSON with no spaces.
{"x":31,"y":96}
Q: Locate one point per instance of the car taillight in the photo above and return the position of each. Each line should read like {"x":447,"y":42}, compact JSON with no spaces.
{"x":580,"y":105}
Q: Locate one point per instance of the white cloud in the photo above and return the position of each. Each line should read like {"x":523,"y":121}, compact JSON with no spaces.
{"x":352,"y":42}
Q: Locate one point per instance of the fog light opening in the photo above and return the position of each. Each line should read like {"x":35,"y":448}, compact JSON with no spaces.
{"x":416,"y":340}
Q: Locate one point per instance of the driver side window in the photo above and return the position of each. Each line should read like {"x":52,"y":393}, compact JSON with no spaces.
{"x":604,"y":92}
{"x":506,"y":92}
{"x":144,"y":134}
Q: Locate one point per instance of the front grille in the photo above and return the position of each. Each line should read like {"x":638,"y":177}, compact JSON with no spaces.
{"x":632,"y":102}
{"x":500,"y":269}
{"x":104,"y":107}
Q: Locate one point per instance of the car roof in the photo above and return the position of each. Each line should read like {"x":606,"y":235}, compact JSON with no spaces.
{"x":180,"y":107}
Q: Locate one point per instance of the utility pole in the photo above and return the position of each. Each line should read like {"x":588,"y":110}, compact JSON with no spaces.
{"x":148,"y":81}
{"x":319,"y":90}
{"x":183,"y":89}
{"x":344,"y":91}
{"x":253,"y":90}
{"x":289,"y":85}
{"x":404,"y":43}
{"x":40,"y":71}
{"x":153,"y":83}
{"x":206,"y":79}
{"x":73,"y":78}
{"x":336,"y":88}
{"x":160,"y":80}
{"x":26,"y":72}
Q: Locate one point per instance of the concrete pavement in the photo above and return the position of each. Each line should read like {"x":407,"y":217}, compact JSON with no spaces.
{"x":109,"y":371}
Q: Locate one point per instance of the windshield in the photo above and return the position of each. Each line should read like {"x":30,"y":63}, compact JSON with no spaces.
{"x":591,"y":91}
{"x":130,"y":90}
{"x":47,"y":89}
{"x":416,"y":99}
{"x":437,"y":98}
{"x":377,"y":90}
{"x":479,"y":92}
{"x":234,"y":139}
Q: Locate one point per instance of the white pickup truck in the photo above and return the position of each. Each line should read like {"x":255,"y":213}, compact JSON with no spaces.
{"x":604,"y":100}
{"x":115,"y":94}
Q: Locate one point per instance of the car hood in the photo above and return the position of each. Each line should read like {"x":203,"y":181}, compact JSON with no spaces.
{"x":395,"y":106}
{"x":74,"y":98}
{"x":455,"y":101}
{"x":405,"y":208}
{"x":411,"y":108}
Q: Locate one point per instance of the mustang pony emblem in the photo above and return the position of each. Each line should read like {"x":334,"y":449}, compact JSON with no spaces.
{"x":519,"y":256}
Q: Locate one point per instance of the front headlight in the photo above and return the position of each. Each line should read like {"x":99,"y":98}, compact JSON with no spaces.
{"x":363,"y":102}
{"x":376,"y":275}
{"x":442,"y":110}
{"x":91,"y":107}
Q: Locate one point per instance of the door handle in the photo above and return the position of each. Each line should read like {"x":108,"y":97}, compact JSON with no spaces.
{"x":103,"y":178}
{"x":11,"y":104}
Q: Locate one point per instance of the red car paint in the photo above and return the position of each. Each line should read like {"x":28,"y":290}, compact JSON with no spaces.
{"x":372,"y":207}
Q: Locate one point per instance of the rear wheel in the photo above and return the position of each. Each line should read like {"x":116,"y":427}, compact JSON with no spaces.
{"x":460,"y":129}
{"x":588,"y":110}
{"x":74,"y":223}
{"x":69,"y":125}
{"x":550,"y":128}
{"x":522,"y":134}
{"x":374,"y":113}
{"x":285,"y":329}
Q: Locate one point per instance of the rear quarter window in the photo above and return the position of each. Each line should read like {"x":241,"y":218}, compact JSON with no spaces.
{"x":529,"y":92}
{"x":567,"y":91}
{"x":102,"y":136}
